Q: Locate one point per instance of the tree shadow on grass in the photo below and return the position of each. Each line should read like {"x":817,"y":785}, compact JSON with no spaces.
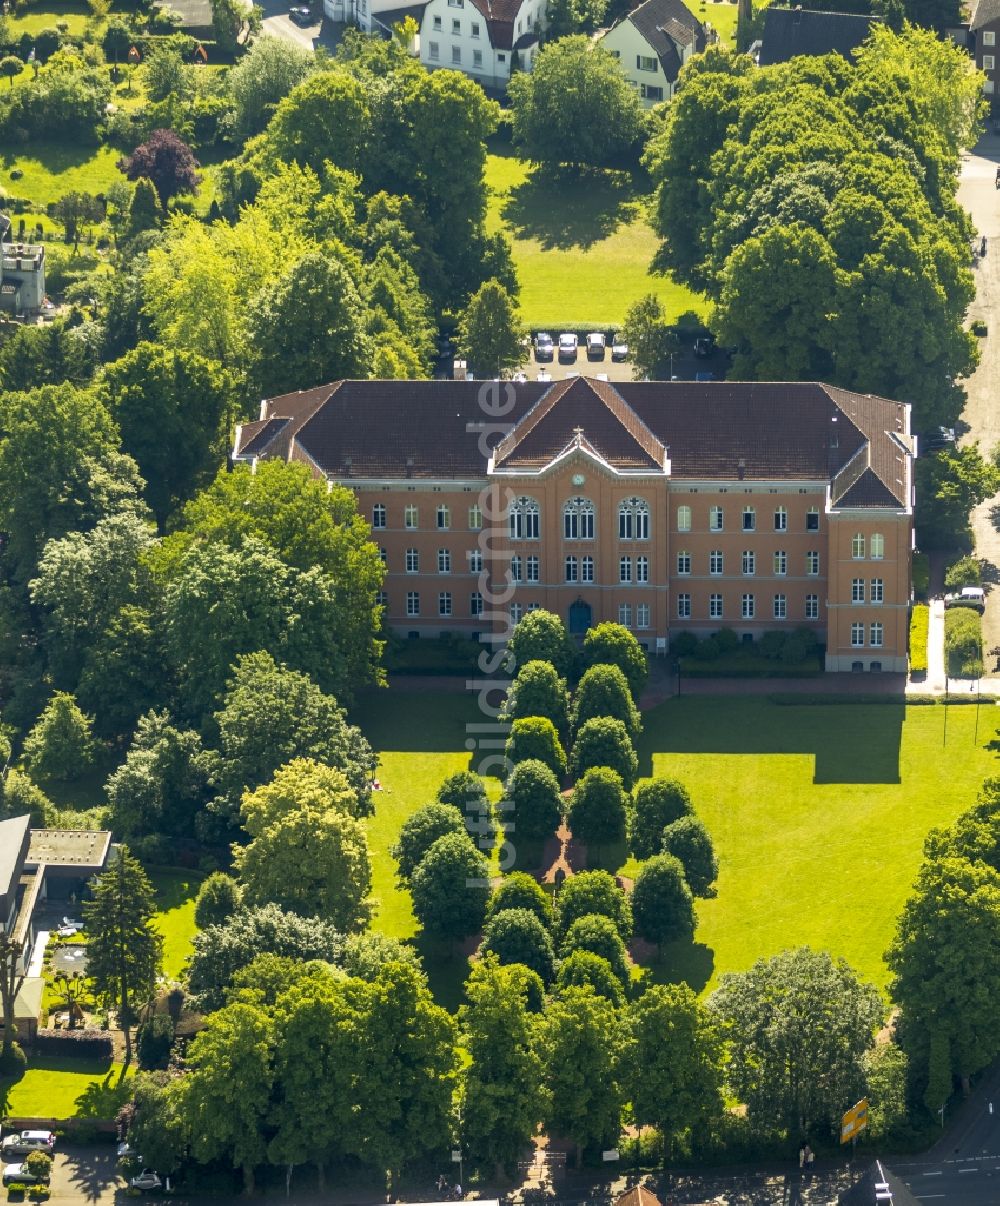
{"x":174,"y":888}
{"x":427,"y":722}
{"x":447,"y":968}
{"x":55,"y":157}
{"x":104,"y":1098}
{"x":572,"y":211}
{"x":675,"y":962}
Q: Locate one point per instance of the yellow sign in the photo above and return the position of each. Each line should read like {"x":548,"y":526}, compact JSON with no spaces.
{"x":854,"y":1121}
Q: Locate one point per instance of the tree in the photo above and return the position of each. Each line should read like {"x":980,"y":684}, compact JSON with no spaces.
{"x":535,"y":802}
{"x":228,"y":20}
{"x":886,"y":1067}
{"x":798,"y":1025}
{"x":594,"y":893}
{"x":490,"y":333}
{"x":598,"y":808}
{"x":123,"y":674}
{"x":610,"y":644}
{"x":689,"y":841}
{"x":13,"y":969}
{"x":565,"y":17}
{"x":74,"y":210}
{"x":535,"y":737}
{"x":174,"y":409}
{"x":600,"y":936}
{"x":218,"y":899}
{"x":450,"y":888}
{"x":940,"y":1075}
{"x":326,"y":117}
{"x":517,"y":936}
{"x":116,"y":41}
{"x":166,"y":160}
{"x":964,"y":571}
{"x":604,"y":691}
{"x":11,"y":67}
{"x":166,"y":74}
{"x":541,"y":636}
{"x":61,"y":745}
{"x":652,"y":341}
{"x":220,"y":951}
{"x":945,"y":960}
{"x":306,"y":806}
{"x":604,"y":742}
{"x":157,"y":1122}
{"x":949,"y":484}
{"x":262,"y":78}
{"x":662,"y":901}
{"x":501,"y":1084}
{"x":537,"y":690}
{"x":420,"y":831}
{"x":228,"y":1089}
{"x":364,"y":955}
{"x":658,"y":803}
{"x":582,"y":969}
{"x":519,"y":890}
{"x":575,"y":107}
{"x":466,"y":792}
{"x":579,"y":1040}
{"x":307,"y":326}
{"x":124,"y":951}
{"x":672,"y":1061}
{"x":144,"y":210}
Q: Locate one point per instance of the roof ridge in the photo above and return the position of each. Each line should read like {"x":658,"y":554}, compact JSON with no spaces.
{"x":531,"y":420}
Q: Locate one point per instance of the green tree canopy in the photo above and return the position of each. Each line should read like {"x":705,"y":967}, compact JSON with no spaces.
{"x":490,"y":333}
{"x":264,"y":77}
{"x":662,"y":901}
{"x":600,"y":936}
{"x":535,"y":737}
{"x":518,"y":936}
{"x":658,"y":803}
{"x":218,"y":899}
{"x":604,"y":691}
{"x":536,"y":806}
{"x":519,"y":890}
{"x":598,"y":809}
{"x":610,"y":644}
{"x":537,"y":690}
{"x":541,"y":636}
{"x":949,"y":484}
{"x":61,"y":744}
{"x":604,"y":741}
{"x":450,"y":888}
{"x":689,"y":840}
{"x":421,"y":830}
{"x":652,"y":342}
{"x":584,"y":969}
{"x":594,"y":892}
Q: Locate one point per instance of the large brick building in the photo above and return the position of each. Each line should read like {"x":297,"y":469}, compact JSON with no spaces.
{"x":667,"y":506}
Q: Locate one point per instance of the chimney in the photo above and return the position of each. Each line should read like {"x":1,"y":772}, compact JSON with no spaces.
{"x":741,"y":469}
{"x":409,"y":466}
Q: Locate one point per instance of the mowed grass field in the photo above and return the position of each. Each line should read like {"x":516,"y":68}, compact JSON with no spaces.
{"x":176,"y":891}
{"x":818,"y":813}
{"x":582,"y":245}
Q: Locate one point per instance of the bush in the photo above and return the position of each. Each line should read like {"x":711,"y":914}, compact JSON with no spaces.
{"x":218,"y":899}
{"x":533,"y":802}
{"x":658,"y":803}
{"x":154,"y":1038}
{"x":726,"y":640}
{"x":74,"y":1044}
{"x":12,"y":1064}
{"x":517,"y":936}
{"x":604,"y":691}
{"x":978,"y":327}
{"x":594,"y":894}
{"x":706,"y":650}
{"x":966,"y":571}
{"x":963,"y":642}
{"x":39,"y":1164}
{"x":613,"y":645}
{"x":689,"y":840}
{"x":683,"y":644}
{"x":919,"y":622}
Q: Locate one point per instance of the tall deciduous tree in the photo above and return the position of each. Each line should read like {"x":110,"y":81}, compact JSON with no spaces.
{"x":689,"y":840}
{"x":594,"y":892}
{"x":124,"y":951}
{"x":541,"y":636}
{"x":535,"y":738}
{"x":13,"y":970}
{"x":519,"y":890}
{"x":604,"y":741}
{"x":604,"y":691}
{"x":537,"y":690}
{"x":600,"y":936}
{"x":652,"y":342}
{"x":490,"y":333}
{"x":166,"y":160}
{"x":518,"y":936}
{"x":949,"y":485}
{"x":535,"y":801}
{"x":611,"y":644}
{"x":658,"y":803}
{"x":421,"y":830}
{"x":598,"y":808}
{"x":262,"y":78}
{"x":662,"y":902}
{"x":450,"y":888}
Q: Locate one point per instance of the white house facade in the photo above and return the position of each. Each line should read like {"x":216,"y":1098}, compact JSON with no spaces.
{"x":485,"y":39}
{"x":652,"y":43}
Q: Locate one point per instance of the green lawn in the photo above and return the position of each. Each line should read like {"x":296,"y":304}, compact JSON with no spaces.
{"x":51,"y":170}
{"x":175,"y":895}
{"x":721,"y":16}
{"x":46,"y":16}
{"x":50,"y":1088}
{"x":818,"y":813}
{"x":582,"y":245}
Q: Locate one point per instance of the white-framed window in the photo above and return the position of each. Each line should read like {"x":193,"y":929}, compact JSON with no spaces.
{"x":748,"y":607}
{"x":749,"y":519}
{"x":475,"y":517}
{"x":857,"y":636}
{"x":716,"y":562}
{"x":876,"y":590}
{"x":645,"y":62}
{"x":475,"y":604}
{"x":715,"y":519}
{"x":534,"y":607}
{"x":378,"y":516}
{"x":475,"y":561}
{"x":525,"y":520}
{"x":651,"y":92}
{"x":413,"y":561}
{"x":858,"y":546}
{"x":715,"y":607}
{"x":531,"y":568}
{"x":988,"y":62}
{"x":633,"y":519}
{"x":642,"y":569}
{"x":578,"y":519}
{"x":456,"y":27}
{"x":586,"y":569}
{"x":684,"y":607}
{"x":475,"y":29}
{"x":876,"y":546}
{"x":411,"y":518}
{"x":683,"y":519}
{"x":433,"y":51}
{"x":456,"y":55}
{"x":437,"y":24}
{"x":857,"y":590}
{"x":444,"y":561}
{"x":516,"y":572}
{"x":780,"y":563}
{"x":444,"y":603}
{"x":989,"y":37}
{"x":812,"y":519}
{"x":381,"y":599}
{"x":624,"y":569}
{"x":412,"y":603}
{"x":875,"y":635}
{"x":516,"y":612}
{"x":625,"y":614}
{"x":383,"y":556}
{"x":501,"y":57}
{"x":477,"y":58}
{"x":642,"y":615}
{"x":780,"y":610}
{"x":683,"y":562}
{"x":749,"y":562}
{"x":812,"y":563}
{"x":456,"y":3}
{"x":812,"y":607}
{"x":780,"y":519}
{"x":572,"y":569}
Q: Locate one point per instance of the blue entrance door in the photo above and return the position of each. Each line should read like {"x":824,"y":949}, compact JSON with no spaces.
{"x":580,"y":616}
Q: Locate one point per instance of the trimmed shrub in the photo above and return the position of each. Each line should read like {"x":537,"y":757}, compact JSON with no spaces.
{"x":517,"y":936}
{"x":542,"y":636}
{"x":689,"y":840}
{"x":533,"y":806}
{"x":74,"y":1044}
{"x":584,"y":968}
{"x":594,"y":894}
{"x":218,"y":899}
{"x":613,"y":645}
{"x":604,"y":741}
{"x":604,"y":691}
{"x":658,"y":803}
{"x":421,"y":830}
{"x":662,"y":902}
{"x":538,"y":691}
{"x":536,"y":737}
{"x":683,"y":644}
{"x":12,"y":1064}
{"x":966,"y":571}
{"x":519,"y":891}
{"x":598,"y":810}
{"x":963,"y":642}
{"x":920,"y":618}
{"x":600,"y":936}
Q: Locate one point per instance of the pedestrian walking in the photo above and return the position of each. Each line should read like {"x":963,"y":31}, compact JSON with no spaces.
{"x":458,"y":1193}
{"x":810,"y":1157}
{"x":802,"y":1153}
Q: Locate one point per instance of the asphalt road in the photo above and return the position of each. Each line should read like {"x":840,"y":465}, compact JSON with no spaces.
{"x":278,"y":24}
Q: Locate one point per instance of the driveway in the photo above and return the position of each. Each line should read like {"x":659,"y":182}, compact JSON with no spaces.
{"x":978,"y":194}
{"x":278,"y":24}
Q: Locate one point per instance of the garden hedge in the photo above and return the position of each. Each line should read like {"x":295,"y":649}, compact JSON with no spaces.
{"x":74,"y":1044}
{"x":919,"y":622}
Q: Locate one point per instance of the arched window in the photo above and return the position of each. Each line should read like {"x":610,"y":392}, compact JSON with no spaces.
{"x":633,"y":519}
{"x":524,"y":519}
{"x":578,"y":519}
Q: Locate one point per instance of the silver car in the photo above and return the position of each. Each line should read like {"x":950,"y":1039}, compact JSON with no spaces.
{"x":23,"y":1143}
{"x":568,"y":344}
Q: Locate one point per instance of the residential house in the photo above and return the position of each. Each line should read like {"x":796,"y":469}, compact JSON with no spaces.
{"x":665,"y":506}
{"x":984,"y":30}
{"x":789,"y":32}
{"x":22,"y":278}
{"x":653,"y":43}
{"x":487,"y":39}
{"x":373,"y":16}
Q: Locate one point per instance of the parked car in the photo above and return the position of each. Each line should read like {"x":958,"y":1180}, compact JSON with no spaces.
{"x":147,"y":1179}
{"x":704,"y":346}
{"x":23,"y":1143}
{"x":619,"y":349}
{"x":301,"y":15}
{"x":704,"y":376}
{"x":544,"y":347}
{"x":968,"y":596}
{"x":568,"y":344}
{"x":20,"y":1174}
{"x":596,"y":346}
